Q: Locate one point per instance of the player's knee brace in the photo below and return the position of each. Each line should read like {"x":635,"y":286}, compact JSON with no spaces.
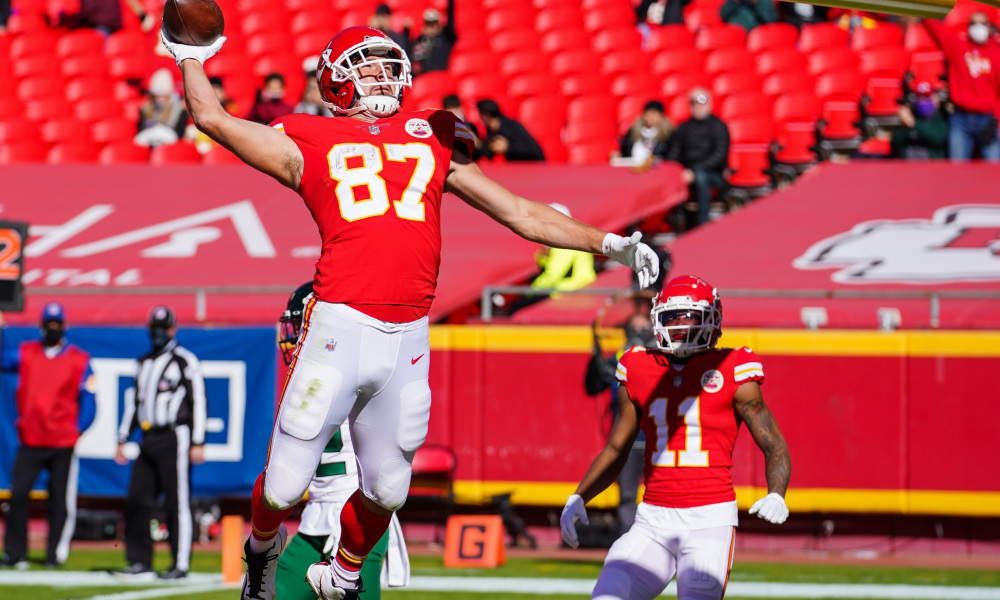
{"x":305,"y":407}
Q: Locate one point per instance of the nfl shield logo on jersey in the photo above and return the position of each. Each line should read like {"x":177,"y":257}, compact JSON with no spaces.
{"x":331,"y":345}
{"x":678,"y":380}
{"x":711,"y":381}
{"x":418,"y":128}
{"x":374,"y":129}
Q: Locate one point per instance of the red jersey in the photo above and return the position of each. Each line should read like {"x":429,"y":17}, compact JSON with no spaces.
{"x":48,"y":395}
{"x":689,"y":421}
{"x":374,"y":190}
{"x":973,"y":69}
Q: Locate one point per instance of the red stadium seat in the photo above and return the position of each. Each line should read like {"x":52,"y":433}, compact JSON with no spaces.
{"x":625,"y":61}
{"x":41,"y":87}
{"x":679,"y":110}
{"x":127,"y":43}
{"x":223,"y":65}
{"x":827,"y":61}
{"x":65,"y":131}
{"x":18,"y":130}
{"x":33,"y":44}
{"x":677,"y":60}
{"x":597,"y":153}
{"x":592,"y":130}
{"x":681,"y":84}
{"x":85,"y":66}
{"x":558,"y":20}
{"x":586,"y":107}
{"x":757,"y":130}
{"x":918,"y":39}
{"x":113,"y":131}
{"x":509,"y":18}
{"x":181,"y":153}
{"x":635,"y":85}
{"x":615,"y":16}
{"x":264,"y":22}
{"x":796,"y":107}
{"x":251,"y":6}
{"x":80,"y":42}
{"x":749,"y":161}
{"x":289,"y":66}
{"x":745,"y":106}
{"x":616,"y":40}
{"x":928,"y":66}
{"x":477,"y":87}
{"x":796,"y":139}
{"x":8,"y":86}
{"x":885,"y":62}
{"x":882,"y":96}
{"x":822,"y":36}
{"x":129,"y":67}
{"x":311,"y":43}
{"x":20,"y":24}
{"x":629,"y":110}
{"x":779,"y":61}
{"x":729,"y":84}
{"x":529,"y":86}
{"x":722,"y":36}
{"x":46,"y":109}
{"x":885,"y":35}
{"x":314,"y":21}
{"x":521,"y":63}
{"x":557,"y":42}
{"x":729,"y":60}
{"x":10,"y":107}
{"x":22,"y":152}
{"x":473,"y":63}
{"x":574,"y":86}
{"x":514,"y":41}
{"x":97,"y":109}
{"x":87,"y":87}
{"x":844,"y":85}
{"x":79,"y":152}
{"x":218,"y":155}
{"x":668,"y":37}
{"x":36,"y":66}
{"x":698,"y":17}
{"x":574,"y":63}
{"x":772,"y":36}
{"x":269,"y":44}
{"x":123,"y":153}
{"x":840,"y":118}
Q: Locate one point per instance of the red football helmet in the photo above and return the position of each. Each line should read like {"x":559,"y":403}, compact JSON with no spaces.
{"x":339,"y":73}
{"x":687,"y":316}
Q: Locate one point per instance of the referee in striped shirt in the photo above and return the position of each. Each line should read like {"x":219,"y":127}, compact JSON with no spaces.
{"x":168,"y":404}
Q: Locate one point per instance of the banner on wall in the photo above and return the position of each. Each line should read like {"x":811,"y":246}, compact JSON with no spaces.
{"x":238,"y":366}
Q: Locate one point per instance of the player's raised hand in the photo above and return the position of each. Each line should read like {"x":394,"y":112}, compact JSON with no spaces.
{"x":182,"y":52}
{"x":771,"y":508}
{"x":632,"y":253}
{"x":573,"y":511}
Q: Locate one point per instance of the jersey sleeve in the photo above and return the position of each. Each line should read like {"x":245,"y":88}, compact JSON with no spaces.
{"x":747,"y":367}
{"x":621,"y":371}
{"x":451,"y":131}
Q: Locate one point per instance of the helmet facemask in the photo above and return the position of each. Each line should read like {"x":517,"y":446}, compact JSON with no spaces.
{"x":684,"y":340}
{"x":289,"y":328}
{"x":392,"y":71}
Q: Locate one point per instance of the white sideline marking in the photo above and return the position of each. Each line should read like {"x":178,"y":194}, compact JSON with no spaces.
{"x":208,"y":582}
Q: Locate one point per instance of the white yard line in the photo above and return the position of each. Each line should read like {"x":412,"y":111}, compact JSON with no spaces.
{"x":206,"y":582}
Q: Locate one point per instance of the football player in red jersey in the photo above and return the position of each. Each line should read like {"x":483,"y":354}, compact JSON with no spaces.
{"x":372,"y":178}
{"x":689,"y":398}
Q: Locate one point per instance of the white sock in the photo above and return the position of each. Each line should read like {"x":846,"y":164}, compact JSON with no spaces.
{"x":343,"y":574}
{"x":257,"y":546}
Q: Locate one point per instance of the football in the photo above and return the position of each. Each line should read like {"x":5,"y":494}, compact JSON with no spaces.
{"x":193,"y":22}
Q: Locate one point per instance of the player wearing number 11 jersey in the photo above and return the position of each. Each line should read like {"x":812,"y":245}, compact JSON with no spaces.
{"x":373,"y":179}
{"x":689,"y":399}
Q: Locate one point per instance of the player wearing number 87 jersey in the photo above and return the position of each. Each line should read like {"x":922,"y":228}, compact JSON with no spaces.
{"x":689,"y":398}
{"x":373,"y":179}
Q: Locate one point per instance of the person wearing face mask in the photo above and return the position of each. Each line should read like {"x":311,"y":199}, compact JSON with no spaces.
{"x":974,"y":80}
{"x":271,"y":103}
{"x":162,"y":117}
{"x":167,"y":403}
{"x":55,"y":404}
{"x":923,"y":131}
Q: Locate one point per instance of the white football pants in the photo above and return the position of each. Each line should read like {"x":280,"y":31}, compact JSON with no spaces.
{"x":644,"y":560}
{"x":373,"y":373}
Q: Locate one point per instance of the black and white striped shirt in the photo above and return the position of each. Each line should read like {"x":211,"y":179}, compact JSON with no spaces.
{"x":169,"y":391}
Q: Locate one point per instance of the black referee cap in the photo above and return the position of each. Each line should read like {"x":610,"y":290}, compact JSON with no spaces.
{"x":162,"y":316}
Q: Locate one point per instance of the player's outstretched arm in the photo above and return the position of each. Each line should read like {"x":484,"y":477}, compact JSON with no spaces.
{"x":749,"y":404}
{"x":608,"y":465}
{"x":263,"y":148}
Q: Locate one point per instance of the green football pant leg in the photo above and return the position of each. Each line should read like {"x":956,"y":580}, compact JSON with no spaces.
{"x":371,"y":570}
{"x":304,"y":550}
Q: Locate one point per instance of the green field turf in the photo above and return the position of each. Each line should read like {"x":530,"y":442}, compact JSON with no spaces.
{"x":100,"y":560}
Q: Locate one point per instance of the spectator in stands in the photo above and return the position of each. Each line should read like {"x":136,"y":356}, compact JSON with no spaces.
{"x":4,"y":15}
{"x":660,"y":12}
{"x":381,"y":20}
{"x":748,"y":13}
{"x":162,"y":118}
{"x":506,"y":137}
{"x":974,"y":81}
{"x":649,"y":135}
{"x":701,"y":145}
{"x":564,"y":270}
{"x":311,"y":102}
{"x":799,"y":14}
{"x":851,"y":19}
{"x":923,"y":132}
{"x":452,"y":104}
{"x":103,"y":15}
{"x":271,"y":103}
{"x":432,"y":50}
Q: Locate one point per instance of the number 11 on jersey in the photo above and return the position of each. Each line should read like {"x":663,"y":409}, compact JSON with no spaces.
{"x":689,"y":410}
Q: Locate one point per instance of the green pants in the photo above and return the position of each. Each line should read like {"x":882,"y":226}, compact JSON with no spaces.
{"x":304,"y":550}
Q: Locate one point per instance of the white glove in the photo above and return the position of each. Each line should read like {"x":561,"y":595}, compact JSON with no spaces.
{"x":635,"y":255}
{"x":573,"y":510}
{"x":182,"y":52}
{"x":771,"y":508}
